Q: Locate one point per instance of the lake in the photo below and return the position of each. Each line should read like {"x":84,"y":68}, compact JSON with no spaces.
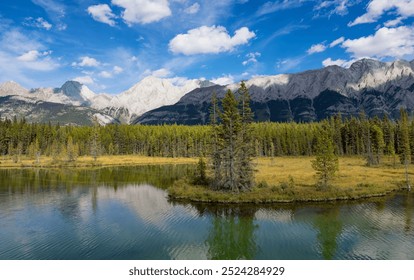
{"x":125,"y":213}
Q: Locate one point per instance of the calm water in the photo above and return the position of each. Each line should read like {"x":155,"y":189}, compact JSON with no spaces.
{"x":124,"y":213}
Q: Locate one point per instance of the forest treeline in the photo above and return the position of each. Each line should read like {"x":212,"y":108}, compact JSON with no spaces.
{"x":354,"y":136}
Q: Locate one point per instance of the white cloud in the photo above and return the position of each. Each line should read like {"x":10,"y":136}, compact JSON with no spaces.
{"x":161,"y":73}
{"x":271,"y":7}
{"x":339,"y":62}
{"x":102,"y":13}
{"x":332,"y":7}
{"x":224,"y":80}
{"x":55,"y":10}
{"x":288,"y":64}
{"x":178,"y":81}
{"x":38,"y":22}
{"x":251,"y":58}
{"x":193,"y":9}
{"x":143,"y":11}
{"x":86,"y":61}
{"x":316,"y":49}
{"x":386,"y":42}
{"x":105,"y":74}
{"x":117,"y":70}
{"x":52,"y":7}
{"x":394,"y":22}
{"x":376,"y":8}
{"x":337,"y":42}
{"x":330,"y":62}
{"x":20,"y":53}
{"x":16,"y":42}
{"x":209,"y":39}
{"x":29,"y":56}
{"x":86,"y":80}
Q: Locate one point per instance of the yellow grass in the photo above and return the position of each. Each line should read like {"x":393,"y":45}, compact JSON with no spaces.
{"x":352,"y":171}
{"x":278,"y":179}
{"x":85,"y":161}
{"x":290,"y":179}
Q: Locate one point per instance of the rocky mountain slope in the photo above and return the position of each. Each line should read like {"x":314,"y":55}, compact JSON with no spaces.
{"x":74,"y":103}
{"x":375,"y":87}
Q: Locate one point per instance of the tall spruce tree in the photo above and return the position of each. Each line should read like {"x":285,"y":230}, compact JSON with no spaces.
{"x":246,"y":137}
{"x":215,"y":154}
{"x":326,"y":162}
{"x":232,"y":148}
{"x":404,"y":150}
{"x":229,"y":134}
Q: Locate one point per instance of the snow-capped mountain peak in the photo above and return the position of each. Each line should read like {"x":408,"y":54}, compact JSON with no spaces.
{"x":76,"y":91}
{"x":12,"y":88}
{"x":151,"y":93}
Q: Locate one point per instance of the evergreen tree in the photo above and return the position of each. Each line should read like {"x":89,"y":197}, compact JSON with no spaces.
{"x":200,"y":177}
{"x":215,"y":143}
{"x":404,"y":150}
{"x":232,"y":149}
{"x":71,"y":150}
{"x":246,"y":169}
{"x":229,"y":135}
{"x":95,"y":143}
{"x":326,"y":162}
{"x":377,"y":143}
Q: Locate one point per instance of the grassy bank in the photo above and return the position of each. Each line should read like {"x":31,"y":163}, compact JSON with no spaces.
{"x":119,"y":160}
{"x":292,"y":179}
{"x":281,"y":179}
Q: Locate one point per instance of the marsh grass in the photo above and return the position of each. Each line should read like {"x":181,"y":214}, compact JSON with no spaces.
{"x":87,"y":161}
{"x":292,"y":179}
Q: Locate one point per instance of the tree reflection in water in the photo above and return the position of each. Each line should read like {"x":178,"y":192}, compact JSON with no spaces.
{"x":231,"y":235}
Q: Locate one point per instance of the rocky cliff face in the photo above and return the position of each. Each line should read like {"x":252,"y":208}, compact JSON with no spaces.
{"x":375,"y":87}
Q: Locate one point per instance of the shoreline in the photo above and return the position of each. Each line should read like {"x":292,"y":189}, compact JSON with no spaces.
{"x":285,"y":201}
{"x":279,"y":179}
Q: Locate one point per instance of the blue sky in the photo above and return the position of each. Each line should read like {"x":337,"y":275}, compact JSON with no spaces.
{"x":109,"y":45}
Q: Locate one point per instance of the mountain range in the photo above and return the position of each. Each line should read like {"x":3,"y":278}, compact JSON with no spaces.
{"x":374,"y":87}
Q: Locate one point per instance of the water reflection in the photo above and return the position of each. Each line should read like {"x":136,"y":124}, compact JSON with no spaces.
{"x":329,"y":228}
{"x":124,"y":213}
{"x":231,"y":235}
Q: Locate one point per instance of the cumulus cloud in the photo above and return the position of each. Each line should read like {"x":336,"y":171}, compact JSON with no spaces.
{"x":193,"y":9}
{"x":224,"y":80}
{"x":386,"y":42}
{"x":20,"y":53}
{"x":86,"y":61}
{"x":143,"y":11}
{"x":86,"y":80}
{"x":209,"y":39}
{"x":337,"y":42}
{"x":102,"y":13}
{"x":38,"y":23}
{"x":376,"y":8}
{"x":316,"y":49}
{"x":251,"y":58}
